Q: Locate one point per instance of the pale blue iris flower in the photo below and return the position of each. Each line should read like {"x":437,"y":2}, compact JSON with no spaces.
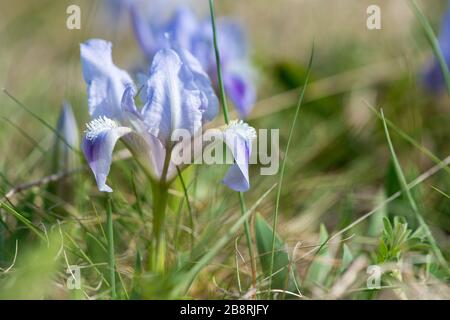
{"x":196,"y":36}
{"x":177,"y":95}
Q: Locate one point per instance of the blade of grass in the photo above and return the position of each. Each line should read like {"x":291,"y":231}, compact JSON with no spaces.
{"x":124,"y":288}
{"x":136,"y":195}
{"x":248,"y":238}
{"x":321,"y":265}
{"x":111,"y":259}
{"x":86,"y":257}
{"x":410,"y":198}
{"x":99,"y":220}
{"x":284,"y":279}
{"x":211,"y":253}
{"x":283,"y":164}
{"x":188,"y":203}
{"x":226,"y":116}
{"x":24,"y":220}
{"x":441,"y":192}
{"x":423,"y":177}
{"x":237,"y":255}
{"x":405,"y":136}
{"x":434,"y":42}
{"x":223,"y":97}
{"x":41,"y":120}
{"x":177,"y":225}
{"x":26,"y":135}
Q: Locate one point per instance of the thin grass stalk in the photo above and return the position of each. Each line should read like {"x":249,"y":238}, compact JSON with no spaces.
{"x":437,"y":252}
{"x":22,"y":219}
{"x":188,"y":203}
{"x":111,"y":253}
{"x":409,"y":139}
{"x":41,"y":120}
{"x":223,"y":97}
{"x":212,"y":252}
{"x":227,"y":121}
{"x":283,"y":166}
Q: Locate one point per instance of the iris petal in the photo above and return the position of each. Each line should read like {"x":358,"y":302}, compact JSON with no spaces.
{"x":144,"y":31}
{"x":241,"y":91}
{"x":182,"y":26}
{"x":236,"y":66}
{"x":173,"y":102}
{"x":232,"y":39}
{"x":143,"y":145}
{"x":193,"y":73}
{"x":98,"y":146}
{"x":128,"y":103}
{"x":105,"y":82}
{"x":238,"y":137}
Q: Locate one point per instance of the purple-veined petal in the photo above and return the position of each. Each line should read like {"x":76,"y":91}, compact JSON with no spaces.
{"x":144,"y":145}
{"x":236,"y":65}
{"x":128,"y":103}
{"x":239,"y":87}
{"x":105,"y":82}
{"x":101,"y":136}
{"x":433,"y":77}
{"x":149,"y":152}
{"x":237,"y":69}
{"x":238,"y":137}
{"x":141,"y":79}
{"x":173,"y":101}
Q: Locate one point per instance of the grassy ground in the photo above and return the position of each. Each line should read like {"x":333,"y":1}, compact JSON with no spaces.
{"x":340,"y":211}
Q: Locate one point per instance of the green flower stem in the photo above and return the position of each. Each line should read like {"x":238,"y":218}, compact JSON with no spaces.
{"x":158,"y":253}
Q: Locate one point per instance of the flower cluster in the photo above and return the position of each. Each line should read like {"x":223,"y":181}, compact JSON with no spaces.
{"x":176,"y":94}
{"x":195,"y":35}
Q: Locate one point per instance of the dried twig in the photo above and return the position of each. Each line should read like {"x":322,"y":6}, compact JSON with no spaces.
{"x":40,"y":182}
{"x":121,"y":155}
